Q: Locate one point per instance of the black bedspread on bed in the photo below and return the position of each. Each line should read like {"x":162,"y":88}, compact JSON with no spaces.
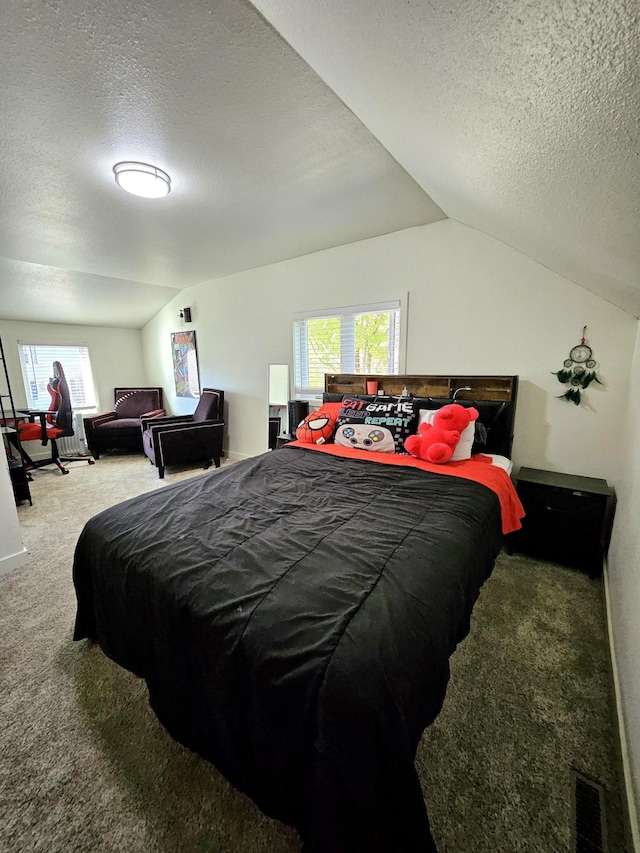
{"x":293,"y":616}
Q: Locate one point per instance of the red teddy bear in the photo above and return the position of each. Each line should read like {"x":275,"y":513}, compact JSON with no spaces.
{"x":435,"y":442}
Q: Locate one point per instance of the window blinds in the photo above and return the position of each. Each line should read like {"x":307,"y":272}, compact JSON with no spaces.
{"x":37,"y":368}
{"x":358,"y":339}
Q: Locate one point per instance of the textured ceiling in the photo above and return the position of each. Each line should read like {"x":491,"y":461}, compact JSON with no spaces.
{"x":266,"y":162}
{"x":326,"y":123}
{"x":520,"y":119}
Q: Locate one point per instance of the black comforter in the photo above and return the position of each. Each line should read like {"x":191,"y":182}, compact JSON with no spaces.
{"x":293,"y":616}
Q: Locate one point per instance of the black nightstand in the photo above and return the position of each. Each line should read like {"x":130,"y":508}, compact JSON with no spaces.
{"x":568,"y":519}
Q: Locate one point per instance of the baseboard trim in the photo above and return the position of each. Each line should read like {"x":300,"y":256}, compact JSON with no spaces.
{"x":632,"y":813}
{"x":13,"y":561}
{"x":234,"y":456}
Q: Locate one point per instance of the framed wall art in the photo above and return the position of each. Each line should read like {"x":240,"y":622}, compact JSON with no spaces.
{"x":185,"y":364}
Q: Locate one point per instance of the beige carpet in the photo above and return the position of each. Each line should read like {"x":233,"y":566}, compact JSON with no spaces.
{"x":84,"y":765}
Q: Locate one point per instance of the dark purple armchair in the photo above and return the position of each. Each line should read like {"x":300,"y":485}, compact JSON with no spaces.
{"x":186,"y":439}
{"x":121,"y":428}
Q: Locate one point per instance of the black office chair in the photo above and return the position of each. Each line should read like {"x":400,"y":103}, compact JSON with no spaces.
{"x":50,"y":425}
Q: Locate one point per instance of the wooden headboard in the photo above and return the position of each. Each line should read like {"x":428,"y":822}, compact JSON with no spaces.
{"x":494,"y":397}
{"x":482,"y":387}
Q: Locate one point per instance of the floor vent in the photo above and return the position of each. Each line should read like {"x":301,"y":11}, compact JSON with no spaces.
{"x":589,"y":818}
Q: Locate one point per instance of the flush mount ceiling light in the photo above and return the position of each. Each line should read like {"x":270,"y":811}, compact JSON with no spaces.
{"x":142,"y":179}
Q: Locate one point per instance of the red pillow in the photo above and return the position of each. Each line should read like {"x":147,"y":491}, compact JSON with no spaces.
{"x":332,"y":409}
{"x":317,"y":428}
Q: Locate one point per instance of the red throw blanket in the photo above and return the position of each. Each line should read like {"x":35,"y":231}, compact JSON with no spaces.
{"x":478,"y":468}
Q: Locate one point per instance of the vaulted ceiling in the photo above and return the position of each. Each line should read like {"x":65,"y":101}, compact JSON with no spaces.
{"x":290,"y":126}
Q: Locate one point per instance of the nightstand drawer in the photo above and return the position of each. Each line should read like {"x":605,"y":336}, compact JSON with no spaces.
{"x":559,"y":506}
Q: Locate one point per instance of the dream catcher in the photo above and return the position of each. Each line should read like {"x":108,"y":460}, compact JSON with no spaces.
{"x":578,"y":371}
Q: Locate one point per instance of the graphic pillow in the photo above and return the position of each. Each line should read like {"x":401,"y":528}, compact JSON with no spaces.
{"x":381,"y":424}
{"x":463,"y":448}
{"x":317,"y":427}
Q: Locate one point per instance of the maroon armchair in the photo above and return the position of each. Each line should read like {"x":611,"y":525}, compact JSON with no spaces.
{"x":184,"y":439}
{"x":121,"y":428}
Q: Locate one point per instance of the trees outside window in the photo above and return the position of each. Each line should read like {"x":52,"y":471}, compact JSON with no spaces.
{"x":360,"y":339}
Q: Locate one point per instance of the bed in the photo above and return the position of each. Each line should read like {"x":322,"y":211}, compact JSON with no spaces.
{"x":293,"y":614}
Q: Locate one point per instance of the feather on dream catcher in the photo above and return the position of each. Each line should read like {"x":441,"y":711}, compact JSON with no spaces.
{"x":578,"y":371}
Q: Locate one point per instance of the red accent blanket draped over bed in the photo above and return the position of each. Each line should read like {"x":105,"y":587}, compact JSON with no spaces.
{"x":478,"y":468}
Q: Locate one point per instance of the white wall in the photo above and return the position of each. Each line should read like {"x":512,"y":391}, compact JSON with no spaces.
{"x":475,"y":306}
{"x":116,"y":354}
{"x":624,"y":583}
{"x":12,"y":551}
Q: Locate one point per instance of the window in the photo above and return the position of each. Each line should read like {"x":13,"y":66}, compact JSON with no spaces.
{"x":358,"y":339}
{"x":37,"y":368}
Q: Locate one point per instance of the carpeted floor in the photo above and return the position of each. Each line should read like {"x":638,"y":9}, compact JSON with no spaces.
{"x":85,"y":766}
